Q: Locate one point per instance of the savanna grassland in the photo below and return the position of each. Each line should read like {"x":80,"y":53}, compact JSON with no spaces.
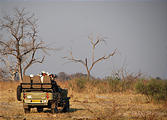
{"x":94,"y":100}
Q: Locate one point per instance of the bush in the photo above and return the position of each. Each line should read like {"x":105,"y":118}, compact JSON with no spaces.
{"x":155,"y":89}
{"x":114,"y":84}
{"x":118,"y":85}
{"x":78,"y":84}
{"x":140,"y":87}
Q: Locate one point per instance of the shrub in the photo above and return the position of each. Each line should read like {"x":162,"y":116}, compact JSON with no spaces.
{"x":155,"y":89}
{"x":78,"y":84}
{"x":103,"y":86}
{"x":119,"y":85}
{"x":140,"y":87}
{"x":114,"y":84}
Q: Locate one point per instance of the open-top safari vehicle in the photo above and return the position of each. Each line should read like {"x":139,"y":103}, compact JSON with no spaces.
{"x":48,"y":94}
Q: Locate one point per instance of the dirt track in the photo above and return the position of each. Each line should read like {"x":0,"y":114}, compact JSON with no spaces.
{"x":122,"y":106}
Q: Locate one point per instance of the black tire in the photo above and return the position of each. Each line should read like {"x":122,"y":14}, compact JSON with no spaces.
{"x":19,"y":93}
{"x":27,"y":110}
{"x":53,"y":108}
{"x":39,"y":109}
{"x":66,"y":107}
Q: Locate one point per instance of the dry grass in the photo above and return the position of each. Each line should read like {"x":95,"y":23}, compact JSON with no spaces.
{"x":85,"y":105}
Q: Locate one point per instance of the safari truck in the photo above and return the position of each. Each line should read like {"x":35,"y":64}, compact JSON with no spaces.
{"x":48,"y":94}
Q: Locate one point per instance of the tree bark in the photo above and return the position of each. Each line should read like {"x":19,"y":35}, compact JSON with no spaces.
{"x":20,"y":71}
{"x":88,"y":75}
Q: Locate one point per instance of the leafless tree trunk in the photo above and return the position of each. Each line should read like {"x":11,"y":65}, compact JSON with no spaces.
{"x":93,"y":61}
{"x":21,"y":42}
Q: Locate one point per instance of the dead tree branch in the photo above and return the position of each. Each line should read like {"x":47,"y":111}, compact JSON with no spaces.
{"x":93,"y":61}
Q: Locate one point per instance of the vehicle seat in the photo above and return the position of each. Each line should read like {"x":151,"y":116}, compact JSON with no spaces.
{"x":36,"y":79}
{"x":46,"y":79}
{"x":26,"y":79}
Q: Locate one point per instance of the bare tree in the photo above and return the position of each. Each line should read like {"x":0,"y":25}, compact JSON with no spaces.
{"x":3,"y":74}
{"x":93,"y":61}
{"x":21,"y":43}
{"x":9,"y":65}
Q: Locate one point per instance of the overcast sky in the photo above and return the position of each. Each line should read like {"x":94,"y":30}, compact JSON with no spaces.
{"x":137,"y":29}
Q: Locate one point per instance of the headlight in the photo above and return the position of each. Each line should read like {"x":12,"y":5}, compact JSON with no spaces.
{"x":45,"y":101}
{"x":29,"y":96}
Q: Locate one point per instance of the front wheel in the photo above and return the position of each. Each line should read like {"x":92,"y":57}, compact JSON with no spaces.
{"x":66,"y":107}
{"x":19,"y":93}
{"x":53,"y":108}
{"x":27,"y":110}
